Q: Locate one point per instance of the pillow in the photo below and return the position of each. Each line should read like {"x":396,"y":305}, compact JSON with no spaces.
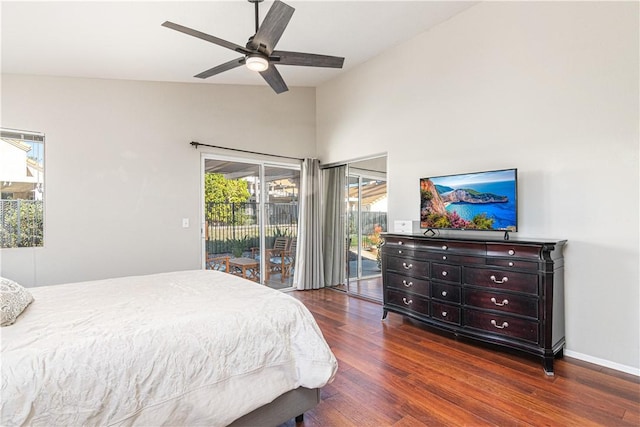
{"x":13,"y":300}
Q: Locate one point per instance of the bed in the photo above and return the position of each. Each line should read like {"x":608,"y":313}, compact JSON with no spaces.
{"x":184,"y":348}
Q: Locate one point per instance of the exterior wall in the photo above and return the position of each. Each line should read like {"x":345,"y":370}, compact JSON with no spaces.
{"x":13,"y":163}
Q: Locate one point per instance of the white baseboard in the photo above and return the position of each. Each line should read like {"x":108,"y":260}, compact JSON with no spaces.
{"x":602,"y":362}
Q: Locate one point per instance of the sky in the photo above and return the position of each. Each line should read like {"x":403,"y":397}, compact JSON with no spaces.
{"x":456,"y":181}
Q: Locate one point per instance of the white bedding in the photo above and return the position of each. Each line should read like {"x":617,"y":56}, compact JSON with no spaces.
{"x":184,"y":348}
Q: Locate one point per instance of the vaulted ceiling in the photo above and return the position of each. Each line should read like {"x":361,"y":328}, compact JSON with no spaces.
{"x":125,"y":39}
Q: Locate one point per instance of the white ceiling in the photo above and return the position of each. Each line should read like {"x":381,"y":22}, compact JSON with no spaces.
{"x":124,"y":40}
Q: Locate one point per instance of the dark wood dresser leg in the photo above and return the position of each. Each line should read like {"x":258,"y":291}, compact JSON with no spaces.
{"x":548,"y":365}
{"x":384,"y":314}
{"x":300,"y":418}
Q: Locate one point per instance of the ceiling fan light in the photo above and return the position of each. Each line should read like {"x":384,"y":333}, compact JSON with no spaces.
{"x":257,"y":63}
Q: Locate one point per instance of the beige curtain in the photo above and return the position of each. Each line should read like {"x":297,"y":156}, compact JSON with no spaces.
{"x":308,"y":272}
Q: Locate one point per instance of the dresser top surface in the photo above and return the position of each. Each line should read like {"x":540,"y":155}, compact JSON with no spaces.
{"x":479,"y":239}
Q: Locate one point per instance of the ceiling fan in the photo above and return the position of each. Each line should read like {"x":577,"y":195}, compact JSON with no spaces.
{"x":259,"y":54}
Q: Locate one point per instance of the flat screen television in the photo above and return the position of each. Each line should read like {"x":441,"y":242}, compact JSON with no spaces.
{"x":470,"y":201}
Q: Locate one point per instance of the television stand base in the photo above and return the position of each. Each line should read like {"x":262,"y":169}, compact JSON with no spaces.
{"x":506,"y":235}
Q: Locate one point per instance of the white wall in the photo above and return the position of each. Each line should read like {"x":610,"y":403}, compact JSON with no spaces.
{"x":549,"y":88}
{"x":119,"y":171}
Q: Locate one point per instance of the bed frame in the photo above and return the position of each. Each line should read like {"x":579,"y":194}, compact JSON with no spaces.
{"x":291,"y":404}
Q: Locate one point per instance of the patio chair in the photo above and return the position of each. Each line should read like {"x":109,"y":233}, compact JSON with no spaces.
{"x":283,"y":262}
{"x":279,"y":244}
{"x":289,"y":260}
{"x":218,"y":263}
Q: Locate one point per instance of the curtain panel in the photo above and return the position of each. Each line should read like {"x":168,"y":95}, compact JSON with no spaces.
{"x":334,"y":239}
{"x":308,"y":273}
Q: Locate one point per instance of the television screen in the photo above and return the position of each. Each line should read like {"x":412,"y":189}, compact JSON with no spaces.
{"x":471,"y":201}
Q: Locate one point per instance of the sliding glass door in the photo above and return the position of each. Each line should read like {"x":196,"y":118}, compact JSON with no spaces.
{"x":280,"y":229}
{"x":366,"y":222}
{"x":250,"y":213}
{"x":355,"y":213}
{"x":366,"y":219}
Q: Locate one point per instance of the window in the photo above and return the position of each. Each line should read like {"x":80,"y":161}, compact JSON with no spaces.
{"x":21,"y":188}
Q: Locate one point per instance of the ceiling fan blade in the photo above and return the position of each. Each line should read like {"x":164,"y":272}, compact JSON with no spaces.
{"x":275,"y":80}
{"x":222,"y":67}
{"x":272,"y":27}
{"x":306,"y":59}
{"x":206,"y":37}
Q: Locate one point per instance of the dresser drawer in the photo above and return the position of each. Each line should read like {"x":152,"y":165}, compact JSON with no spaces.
{"x":407,"y":301}
{"x":445,"y":272}
{"x":453,"y":247}
{"x":408,"y":266}
{"x":444,"y":292}
{"x":514,"y":264}
{"x":408,"y":284}
{"x":399,"y":247}
{"x":502,"y":325}
{"x":445,"y":312}
{"x":446,"y":257}
{"x":506,"y":303}
{"x":502,"y":279}
{"x":399,"y":241}
{"x":513,"y":251}
{"x":399,"y":251}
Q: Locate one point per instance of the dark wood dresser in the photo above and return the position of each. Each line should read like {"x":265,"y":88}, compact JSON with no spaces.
{"x":504,"y":292}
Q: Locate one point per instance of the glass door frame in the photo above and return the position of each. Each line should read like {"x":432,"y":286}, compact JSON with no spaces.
{"x":360,"y":175}
{"x":260,"y":200}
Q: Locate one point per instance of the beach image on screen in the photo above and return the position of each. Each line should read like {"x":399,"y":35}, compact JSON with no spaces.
{"x":474,"y":201}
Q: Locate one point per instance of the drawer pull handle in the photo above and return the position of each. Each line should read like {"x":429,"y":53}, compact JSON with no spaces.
{"x":444,"y":314}
{"x":407,"y":284}
{"x":404,"y":300}
{"x":500,"y":304}
{"x":444,"y":273}
{"x":511,"y":252}
{"x":399,"y":252}
{"x":494,"y":280}
{"x":400,"y":242}
{"x":510,"y":264}
{"x":444,"y":257}
{"x":504,"y":324}
{"x":407,"y":267}
{"x":444,"y":247}
{"x":444,"y":293}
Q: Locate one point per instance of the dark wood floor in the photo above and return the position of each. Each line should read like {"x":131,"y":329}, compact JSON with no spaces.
{"x":398,"y":373}
{"x":368,"y":288}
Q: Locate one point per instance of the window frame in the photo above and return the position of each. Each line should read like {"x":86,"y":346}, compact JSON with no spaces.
{"x":37,"y":239}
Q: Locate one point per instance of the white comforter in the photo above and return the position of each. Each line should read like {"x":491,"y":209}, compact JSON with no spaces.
{"x":184,"y":348}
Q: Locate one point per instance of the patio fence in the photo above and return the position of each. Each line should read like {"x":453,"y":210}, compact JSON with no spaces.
{"x":21,"y":223}
{"x":369,"y":220}
{"x":229,"y":226}
{"x":233,"y":228}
